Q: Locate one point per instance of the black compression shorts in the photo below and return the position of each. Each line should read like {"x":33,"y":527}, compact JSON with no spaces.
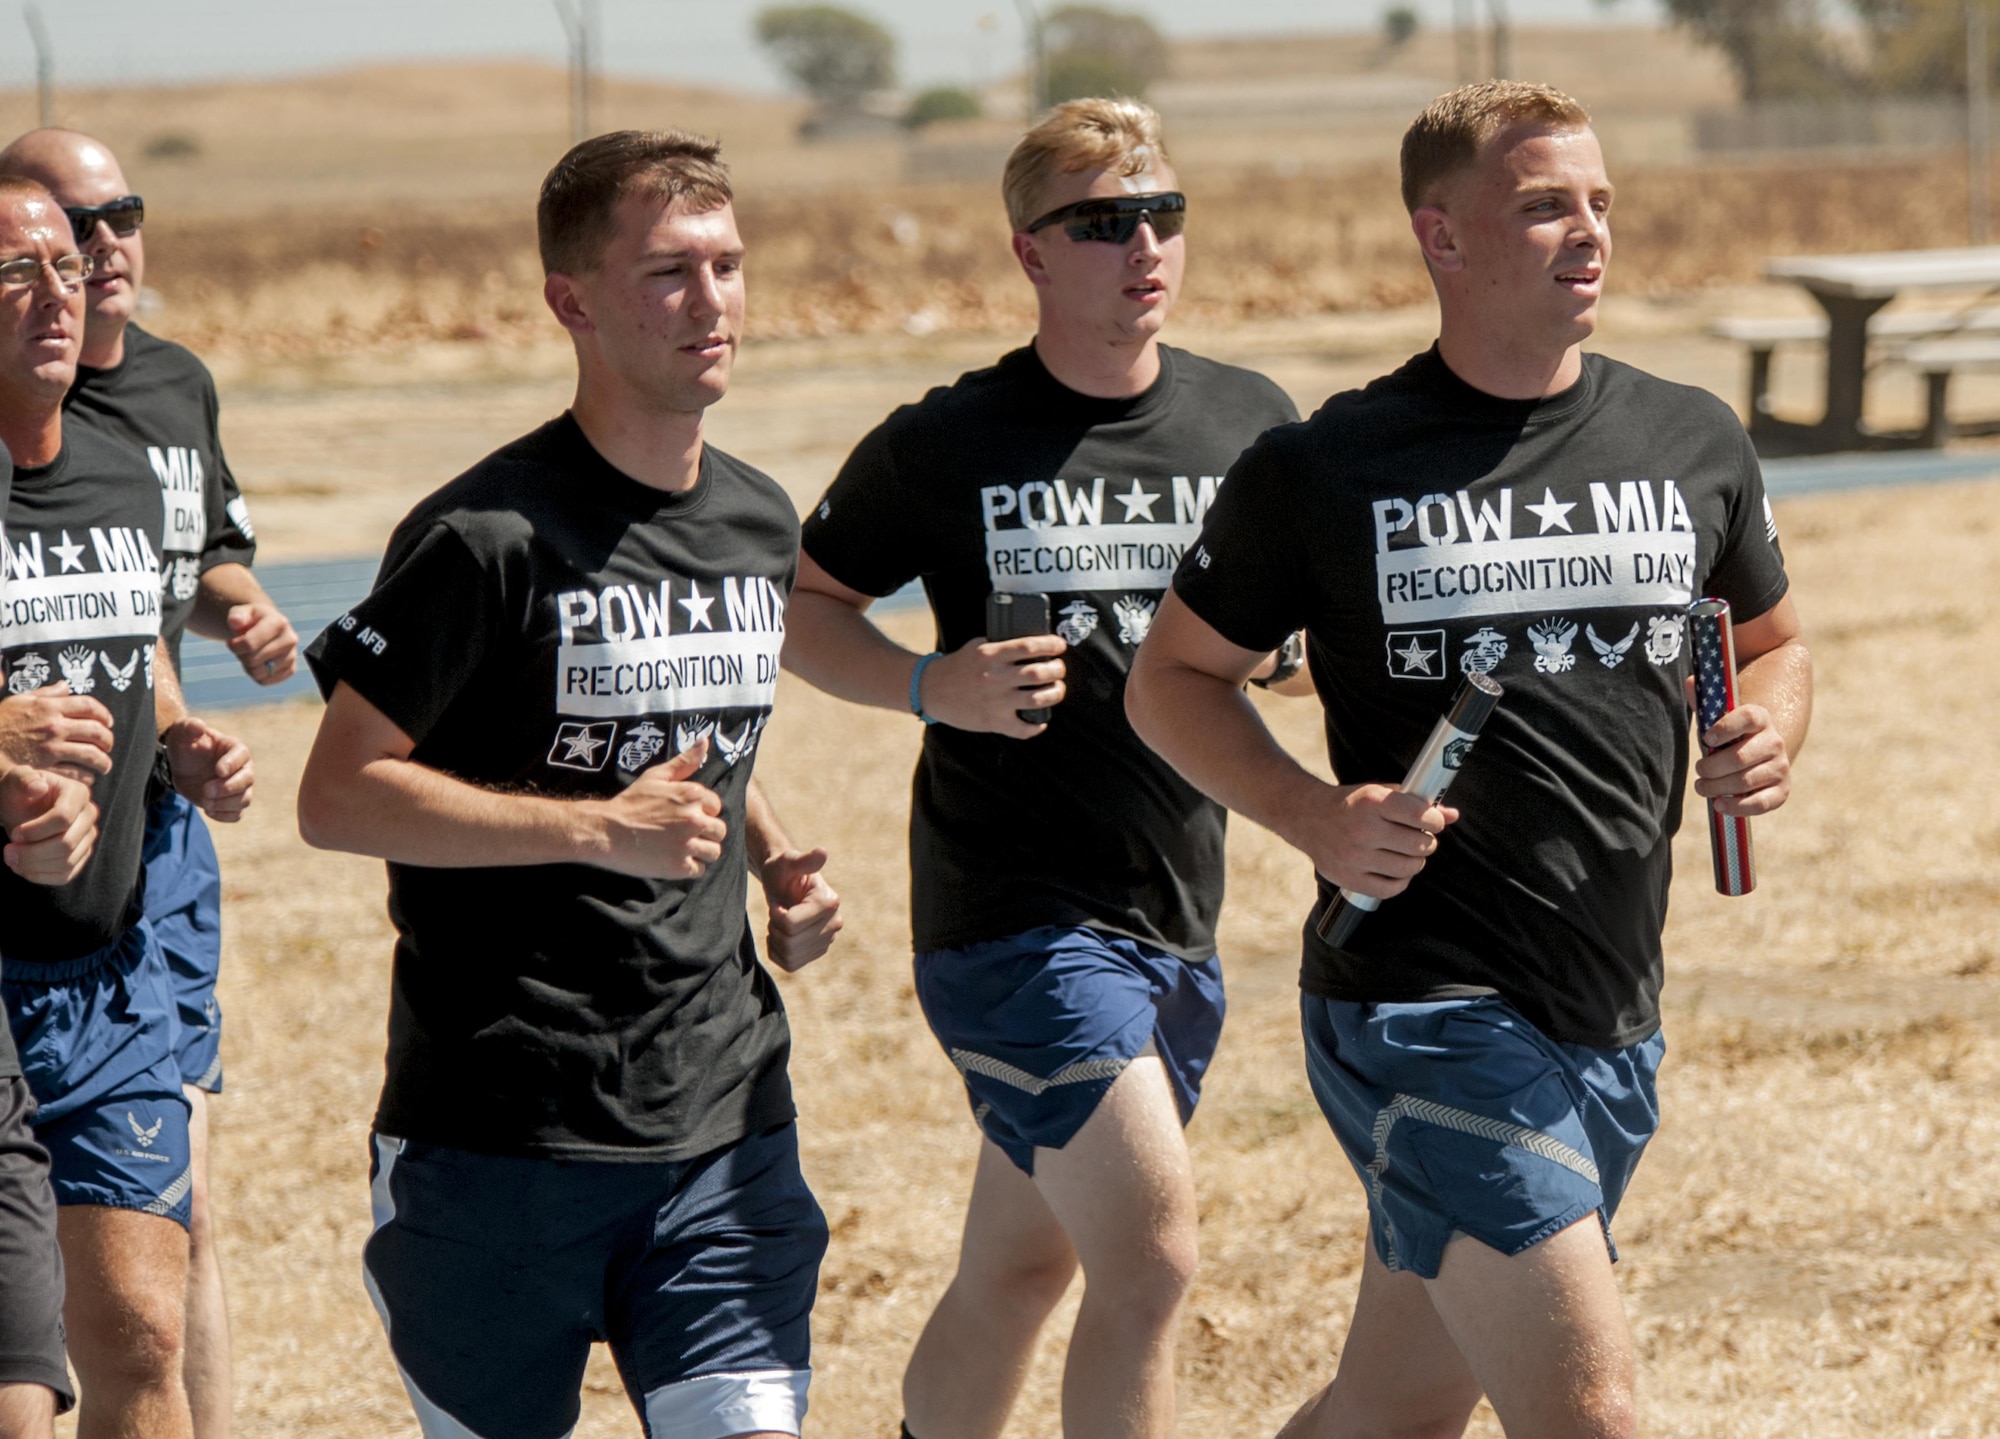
{"x":31,"y":1272}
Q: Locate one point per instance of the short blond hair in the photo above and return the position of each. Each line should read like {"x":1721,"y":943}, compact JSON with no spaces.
{"x":1120,"y":135}
{"x":1453,"y":128}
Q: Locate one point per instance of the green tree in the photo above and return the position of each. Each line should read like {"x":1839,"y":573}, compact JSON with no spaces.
{"x":1918,"y":46}
{"x":1095,"y":51}
{"x":834,"y":55}
{"x":941,"y":102}
{"x":1779,"y":49}
{"x":1399,"y":23}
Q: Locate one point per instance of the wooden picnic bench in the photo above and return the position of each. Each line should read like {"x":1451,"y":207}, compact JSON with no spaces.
{"x":1850,"y":290}
{"x":1892,"y":339}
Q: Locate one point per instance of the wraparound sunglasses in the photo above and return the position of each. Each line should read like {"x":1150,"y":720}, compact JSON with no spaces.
{"x":1114,"y":219}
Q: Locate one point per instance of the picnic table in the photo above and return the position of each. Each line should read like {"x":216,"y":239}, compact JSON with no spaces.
{"x":1850,"y":289}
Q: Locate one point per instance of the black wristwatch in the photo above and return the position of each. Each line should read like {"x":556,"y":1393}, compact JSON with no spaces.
{"x":1291,"y":659}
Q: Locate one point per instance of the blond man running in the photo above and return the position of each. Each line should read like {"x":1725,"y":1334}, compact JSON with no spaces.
{"x":1064,"y":881}
{"x":1485,"y":1047}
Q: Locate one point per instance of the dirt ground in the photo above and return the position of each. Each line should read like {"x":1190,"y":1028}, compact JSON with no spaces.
{"x":1812,"y":1246}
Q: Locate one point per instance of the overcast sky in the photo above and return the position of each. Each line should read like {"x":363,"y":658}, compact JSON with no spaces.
{"x":695,"y":40}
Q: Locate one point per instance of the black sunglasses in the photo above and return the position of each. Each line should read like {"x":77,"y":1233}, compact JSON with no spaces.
{"x":124,"y":215}
{"x":1115,"y":219}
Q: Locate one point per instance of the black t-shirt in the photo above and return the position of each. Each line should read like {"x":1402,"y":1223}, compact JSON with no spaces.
{"x":10,"y":1062}
{"x":161,"y":399}
{"x":82,"y":604}
{"x":1010,"y":481}
{"x":1421,"y":530}
{"x":546,"y":624}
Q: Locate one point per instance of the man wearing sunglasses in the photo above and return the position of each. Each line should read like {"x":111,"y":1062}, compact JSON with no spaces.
{"x":88,"y":995}
{"x":1064,"y":883}
{"x":153,"y":394}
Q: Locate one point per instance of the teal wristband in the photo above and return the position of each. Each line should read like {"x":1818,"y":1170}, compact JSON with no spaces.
{"x":916,"y":687}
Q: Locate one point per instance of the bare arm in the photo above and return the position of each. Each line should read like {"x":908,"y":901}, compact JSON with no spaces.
{"x":832,"y":645}
{"x":232,"y":607}
{"x":805,"y":911}
{"x":1185,"y":699}
{"x":362,"y":793}
{"x":210,"y":768}
{"x":1750,"y":772}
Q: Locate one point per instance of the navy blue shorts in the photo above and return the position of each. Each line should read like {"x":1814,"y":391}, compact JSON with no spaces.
{"x":184,"y":904}
{"x":494,"y":1274}
{"x":1461,"y":1117}
{"x":1040,"y":1024}
{"x":97,"y":1038}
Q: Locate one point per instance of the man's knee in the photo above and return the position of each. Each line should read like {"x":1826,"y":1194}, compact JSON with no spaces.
{"x":1437,"y":1411}
{"x":135,"y":1339}
{"x":1149,"y":1278}
{"x":1606,"y":1411}
{"x":126,"y":1306}
{"x":1030,"y":1282}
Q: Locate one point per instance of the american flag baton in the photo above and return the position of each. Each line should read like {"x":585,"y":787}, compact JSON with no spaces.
{"x":1430,"y":775}
{"x":1714,"y":697}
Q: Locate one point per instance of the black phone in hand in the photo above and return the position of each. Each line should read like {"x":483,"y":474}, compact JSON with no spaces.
{"x":1015,"y":617}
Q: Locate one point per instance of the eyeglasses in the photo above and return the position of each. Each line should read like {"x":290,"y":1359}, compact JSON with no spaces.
{"x":124,"y":215}
{"x":1114,"y":219}
{"x":26,"y":269}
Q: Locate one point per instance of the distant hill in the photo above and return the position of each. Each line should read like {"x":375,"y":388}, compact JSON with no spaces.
{"x":439,"y":137}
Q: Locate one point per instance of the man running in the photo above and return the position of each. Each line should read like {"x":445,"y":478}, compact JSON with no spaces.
{"x":1064,"y":882}
{"x":545,"y":717}
{"x":88,"y":993}
{"x":51,"y":829}
{"x":156,"y":396}
{"x":1485,"y":1047}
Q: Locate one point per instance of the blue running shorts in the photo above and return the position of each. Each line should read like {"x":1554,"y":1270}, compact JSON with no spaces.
{"x":97,"y":1038}
{"x":1040,"y":1024}
{"x":494,"y":1274}
{"x":1460,"y":1117}
{"x":184,"y":904}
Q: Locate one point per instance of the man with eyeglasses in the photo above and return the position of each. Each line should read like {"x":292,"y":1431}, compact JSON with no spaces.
{"x":51,"y":828}
{"x":88,"y":994}
{"x":1065,"y":883}
{"x":156,"y":396}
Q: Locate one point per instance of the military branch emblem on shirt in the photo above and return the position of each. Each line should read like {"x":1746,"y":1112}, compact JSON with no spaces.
{"x":1483,"y":559}
{"x":653,"y":653}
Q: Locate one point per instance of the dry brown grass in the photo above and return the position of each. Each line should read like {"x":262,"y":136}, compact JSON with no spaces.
{"x":935,"y":258}
{"x":1812,"y":1246}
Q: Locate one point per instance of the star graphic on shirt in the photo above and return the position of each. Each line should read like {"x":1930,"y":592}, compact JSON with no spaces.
{"x":1416,"y":659}
{"x":71,"y":554}
{"x":583,"y":745}
{"x":696,"y":604}
{"x":1136,"y":500}
{"x":1552,"y":512}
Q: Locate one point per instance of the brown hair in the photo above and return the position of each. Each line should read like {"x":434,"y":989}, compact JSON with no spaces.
{"x":579,"y":202}
{"x":1079,"y":135}
{"x":1448,"y":136}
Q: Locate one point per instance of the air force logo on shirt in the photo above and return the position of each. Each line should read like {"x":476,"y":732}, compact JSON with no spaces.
{"x":1065,"y":536}
{"x":1441,"y":557}
{"x":674,"y":648}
